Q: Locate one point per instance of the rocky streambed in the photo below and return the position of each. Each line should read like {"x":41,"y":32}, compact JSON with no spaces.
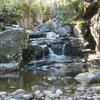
{"x":59,"y":84}
{"x":58,"y":64}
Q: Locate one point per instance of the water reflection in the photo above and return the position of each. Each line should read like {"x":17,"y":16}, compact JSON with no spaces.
{"x":37,"y":78}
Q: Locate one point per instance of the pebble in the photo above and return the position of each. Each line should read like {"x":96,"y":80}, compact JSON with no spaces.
{"x":46,"y":98}
{"x":13,"y":99}
{"x":12,"y":87}
{"x":80,"y":89}
{"x":18,"y":91}
{"x":3,"y":93}
{"x":27,"y":96}
{"x":59,"y":92}
{"x":38,"y":94}
{"x":19,"y":96}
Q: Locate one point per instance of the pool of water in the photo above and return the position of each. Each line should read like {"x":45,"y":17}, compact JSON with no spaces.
{"x":38,"y":79}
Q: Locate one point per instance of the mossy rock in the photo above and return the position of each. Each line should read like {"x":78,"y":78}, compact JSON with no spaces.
{"x":12,"y":43}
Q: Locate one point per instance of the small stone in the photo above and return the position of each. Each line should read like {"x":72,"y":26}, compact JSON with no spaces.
{"x":96,"y":97}
{"x":46,"y":98}
{"x":13,"y":99}
{"x":38,"y":94}
{"x":19,"y":95}
{"x":80,"y":89}
{"x":46,"y":92}
{"x":18,"y":91}
{"x":70,"y":98}
{"x":52,"y":78}
{"x":63,"y":97}
{"x":51,"y":96}
{"x":27,"y":96}
{"x":89,"y":98}
{"x":3,"y":93}
{"x":59,"y":92}
{"x":12,"y":87}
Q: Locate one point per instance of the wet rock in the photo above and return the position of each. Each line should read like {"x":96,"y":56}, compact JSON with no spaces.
{"x":36,"y":51}
{"x":45,"y":50}
{"x":12,"y":43}
{"x":27,"y":96}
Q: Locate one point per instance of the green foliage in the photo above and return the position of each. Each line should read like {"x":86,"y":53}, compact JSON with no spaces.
{"x":71,"y":11}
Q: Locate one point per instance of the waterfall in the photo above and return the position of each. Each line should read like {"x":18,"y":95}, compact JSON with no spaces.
{"x":43,"y":48}
{"x":50,"y":51}
{"x":63,"y":49}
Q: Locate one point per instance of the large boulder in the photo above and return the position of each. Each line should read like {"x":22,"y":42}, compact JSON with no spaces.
{"x":41,"y":29}
{"x":12,"y":43}
{"x":58,"y":27}
{"x":95,"y":31}
{"x":87,"y":77}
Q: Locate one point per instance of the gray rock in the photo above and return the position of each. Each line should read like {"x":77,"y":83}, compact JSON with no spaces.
{"x":27,"y":96}
{"x":80,"y":88}
{"x":95,"y":30}
{"x":18,"y":91}
{"x":60,"y":29}
{"x":9,"y":66}
{"x":12,"y":42}
{"x":84,"y":78}
{"x":3,"y":93}
{"x":41,"y":29}
{"x":46,"y":98}
{"x":59,"y":92}
{"x":36,"y":51}
{"x":38,"y":94}
{"x":96,"y":97}
{"x":13,"y":99}
{"x":18,"y":95}
{"x":51,"y":35}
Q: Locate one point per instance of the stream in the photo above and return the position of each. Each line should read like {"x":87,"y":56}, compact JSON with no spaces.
{"x":51,"y":72}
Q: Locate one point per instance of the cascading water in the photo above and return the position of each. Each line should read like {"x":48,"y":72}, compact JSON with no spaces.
{"x":50,"y":52}
{"x":43,"y":48}
{"x":63,"y":49}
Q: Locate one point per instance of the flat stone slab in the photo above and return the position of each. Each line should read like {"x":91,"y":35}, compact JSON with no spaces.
{"x":9,"y":66}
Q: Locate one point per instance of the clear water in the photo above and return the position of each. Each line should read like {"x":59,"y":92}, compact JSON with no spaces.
{"x":40,"y":79}
{"x":59,"y":76}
